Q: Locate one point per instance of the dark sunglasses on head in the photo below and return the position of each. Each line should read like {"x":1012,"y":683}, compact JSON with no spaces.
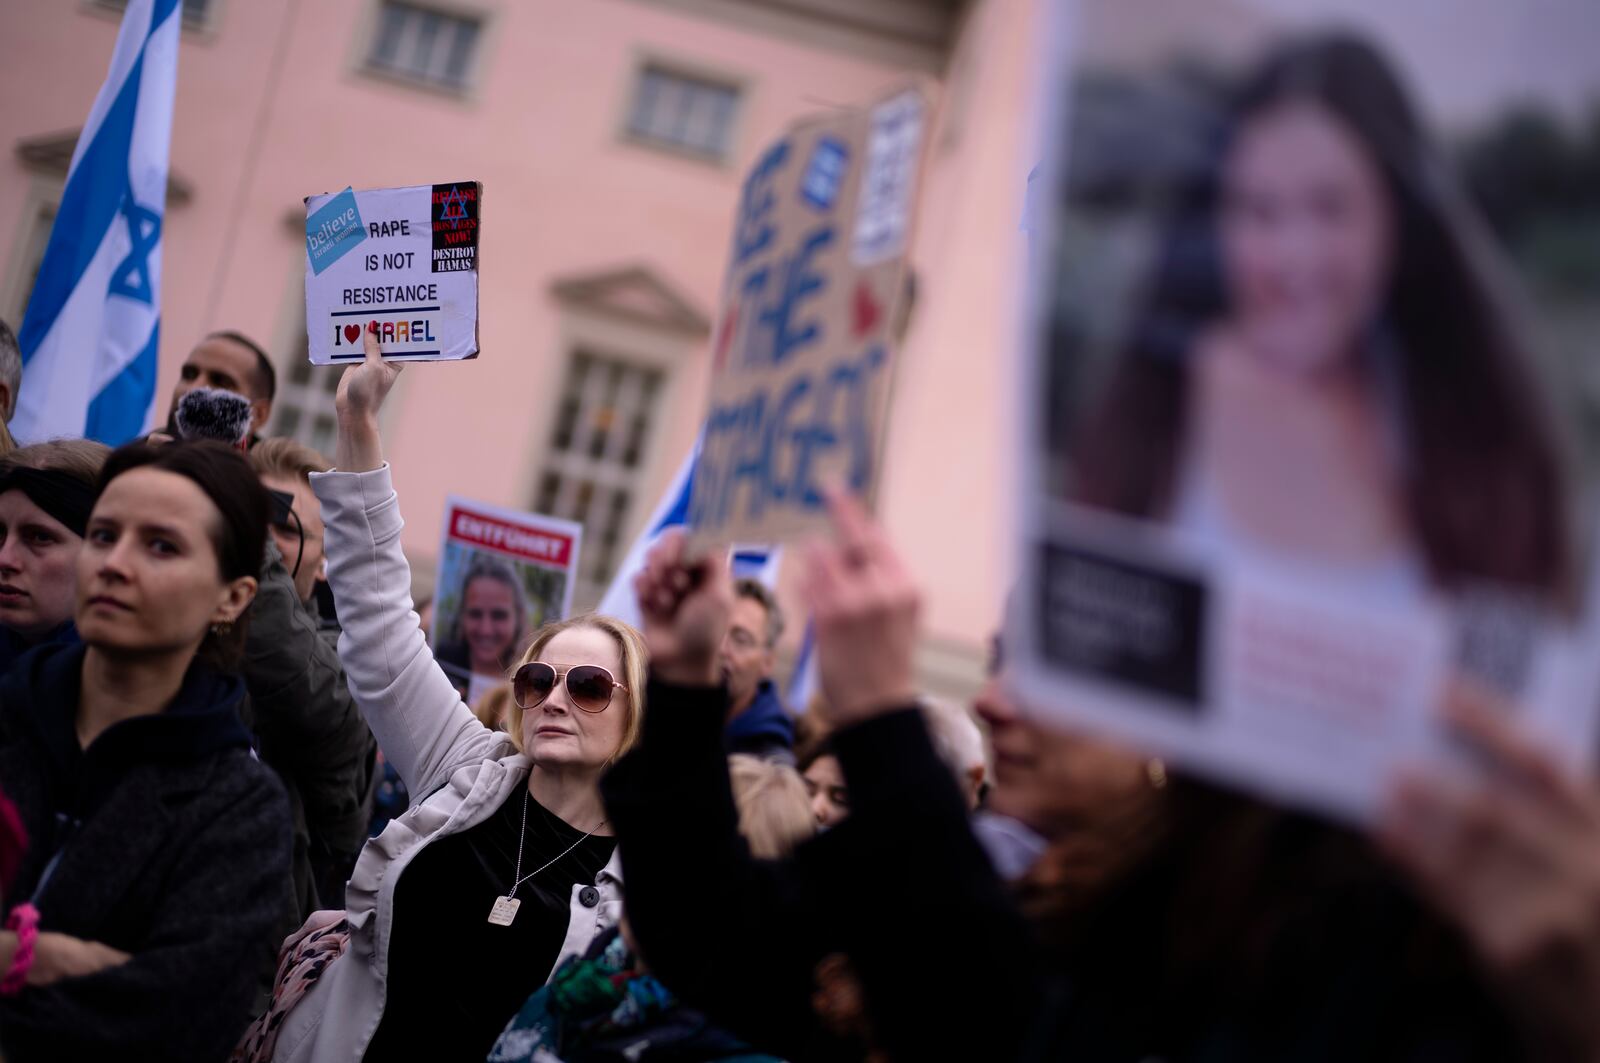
{"x":589,"y":686}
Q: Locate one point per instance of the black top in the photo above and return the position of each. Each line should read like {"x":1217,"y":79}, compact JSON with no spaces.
{"x":455,"y":979}
{"x":865,"y":888}
{"x":166,"y":839}
{"x":904,"y":889}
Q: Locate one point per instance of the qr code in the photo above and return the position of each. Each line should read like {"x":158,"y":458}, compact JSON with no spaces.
{"x":884,"y":212}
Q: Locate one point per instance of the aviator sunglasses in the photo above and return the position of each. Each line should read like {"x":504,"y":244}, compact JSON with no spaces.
{"x":589,"y":686}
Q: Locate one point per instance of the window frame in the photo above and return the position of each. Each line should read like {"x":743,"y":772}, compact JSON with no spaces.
{"x":641,"y":346}
{"x":646,"y":62}
{"x":203,"y":28}
{"x":365,"y":41}
{"x":577,"y":464}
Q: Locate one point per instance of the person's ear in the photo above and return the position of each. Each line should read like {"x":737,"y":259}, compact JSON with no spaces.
{"x":260,"y":415}
{"x":234,"y":600}
{"x":974,"y":780}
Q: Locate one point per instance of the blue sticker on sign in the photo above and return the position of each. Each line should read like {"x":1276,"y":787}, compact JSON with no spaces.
{"x":824,"y":175}
{"x":333,"y":230}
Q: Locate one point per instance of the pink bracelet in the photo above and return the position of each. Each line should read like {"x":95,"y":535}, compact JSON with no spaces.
{"x":24,"y":919}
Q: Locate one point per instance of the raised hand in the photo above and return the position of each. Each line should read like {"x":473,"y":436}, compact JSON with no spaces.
{"x":362,"y":389}
{"x":866,"y":607}
{"x":685,"y":606}
{"x":1514,"y":860}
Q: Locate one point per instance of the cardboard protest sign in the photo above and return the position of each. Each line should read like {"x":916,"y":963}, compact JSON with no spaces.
{"x":405,"y":259}
{"x":502,"y":575}
{"x":804,"y":341}
{"x":1289,"y":470}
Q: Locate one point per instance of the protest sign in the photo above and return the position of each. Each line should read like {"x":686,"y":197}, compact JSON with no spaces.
{"x":803,"y":348}
{"x":1289,"y":471}
{"x":502,"y":575}
{"x":403,"y":259}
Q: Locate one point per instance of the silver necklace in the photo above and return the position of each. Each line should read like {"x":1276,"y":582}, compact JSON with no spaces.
{"x":505,"y":908}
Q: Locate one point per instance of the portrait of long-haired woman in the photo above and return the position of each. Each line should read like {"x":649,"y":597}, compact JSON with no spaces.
{"x":1319,"y":367}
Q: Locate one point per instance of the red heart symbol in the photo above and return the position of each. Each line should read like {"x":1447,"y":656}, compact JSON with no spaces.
{"x":352,"y":333}
{"x":724,"y":338}
{"x":867,"y":309}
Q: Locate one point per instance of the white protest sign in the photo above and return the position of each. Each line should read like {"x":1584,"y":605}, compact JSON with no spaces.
{"x":402,"y":259}
{"x":1280,"y":485}
{"x":803,"y":350}
{"x":502,"y":575}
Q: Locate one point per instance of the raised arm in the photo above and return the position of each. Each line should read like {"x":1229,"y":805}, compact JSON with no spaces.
{"x":420,"y":722}
{"x":671,"y":804}
{"x":908,"y":824}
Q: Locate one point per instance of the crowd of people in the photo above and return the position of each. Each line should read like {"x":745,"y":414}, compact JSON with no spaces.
{"x":238,"y":824}
{"x":189,"y":768}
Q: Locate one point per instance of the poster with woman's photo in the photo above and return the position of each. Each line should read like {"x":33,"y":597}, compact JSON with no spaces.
{"x":502,"y":575}
{"x":1311,"y":407}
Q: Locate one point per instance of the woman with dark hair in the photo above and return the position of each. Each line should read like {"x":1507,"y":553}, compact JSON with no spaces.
{"x":46,"y":491}
{"x":819,"y":769}
{"x":1166,"y":919}
{"x":1319,"y":303}
{"x":143,"y":910}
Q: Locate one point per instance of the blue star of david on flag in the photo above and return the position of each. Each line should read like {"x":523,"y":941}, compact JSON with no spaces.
{"x":454,"y":208}
{"x":131,"y":278}
{"x":825,"y":173}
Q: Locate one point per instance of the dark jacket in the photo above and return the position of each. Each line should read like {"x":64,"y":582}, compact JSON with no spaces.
{"x":1253,"y":936}
{"x":13,"y":645}
{"x":166,"y":839}
{"x":671,"y":804}
{"x":310,"y":733}
{"x":764,"y":729}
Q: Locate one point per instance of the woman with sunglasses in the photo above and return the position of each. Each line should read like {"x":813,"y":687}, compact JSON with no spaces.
{"x":505,"y":864}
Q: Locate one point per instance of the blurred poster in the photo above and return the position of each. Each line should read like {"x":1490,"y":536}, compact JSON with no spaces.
{"x":1310,"y":403}
{"x":815,"y":289}
{"x":502,"y":576}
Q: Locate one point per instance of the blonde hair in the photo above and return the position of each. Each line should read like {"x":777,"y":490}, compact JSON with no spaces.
{"x":494,"y":708}
{"x":635,"y":672}
{"x":287,"y":458}
{"x":81,"y":459}
{"x":774,"y":811}
{"x":955,"y":736}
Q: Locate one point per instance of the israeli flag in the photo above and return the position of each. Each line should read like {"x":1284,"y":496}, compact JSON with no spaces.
{"x":89,"y":335}
{"x":753,"y":562}
{"x":803,"y":681}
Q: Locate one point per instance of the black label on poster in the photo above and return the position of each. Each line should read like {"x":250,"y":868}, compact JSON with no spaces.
{"x":455,"y":226}
{"x":1124,"y":622}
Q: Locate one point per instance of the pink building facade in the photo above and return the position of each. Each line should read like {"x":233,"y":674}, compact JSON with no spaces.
{"x":611,"y":137}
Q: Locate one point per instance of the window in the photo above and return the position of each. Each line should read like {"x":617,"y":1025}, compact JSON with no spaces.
{"x":303,"y":408}
{"x":601,"y":430}
{"x":425,"y":45}
{"x":196,"y":13}
{"x":683,"y":112}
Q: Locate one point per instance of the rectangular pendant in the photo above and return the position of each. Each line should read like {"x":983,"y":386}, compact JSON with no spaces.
{"x":504,"y":910}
